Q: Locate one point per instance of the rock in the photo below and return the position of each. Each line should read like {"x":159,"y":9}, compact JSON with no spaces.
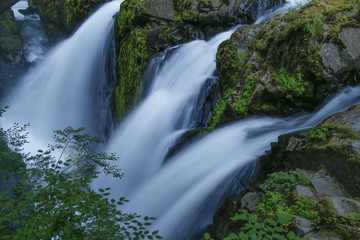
{"x":160,"y":9}
{"x":331,"y":57}
{"x":305,"y":192}
{"x":317,"y":236}
{"x":303,"y":226}
{"x":345,"y":206}
{"x":27,"y":11}
{"x":283,"y":51}
{"x":62,"y":17}
{"x":325,"y":187}
{"x":351,"y":38}
{"x":249,"y":201}
{"x":11,"y":54}
{"x":6,"y":5}
{"x":339,"y":154}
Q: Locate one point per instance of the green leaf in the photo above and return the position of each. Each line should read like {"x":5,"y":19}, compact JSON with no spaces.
{"x":283,"y":219}
{"x":271,"y":222}
{"x":207,"y":236}
{"x":291,"y":235}
{"x":253,"y":218}
{"x":243,"y":236}
{"x":233,"y":236}
{"x":238,"y":217}
{"x":258,"y":225}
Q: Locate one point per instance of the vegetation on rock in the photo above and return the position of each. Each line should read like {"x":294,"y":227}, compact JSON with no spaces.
{"x":11,"y":56}
{"x":292,"y":61}
{"x":62,"y":17}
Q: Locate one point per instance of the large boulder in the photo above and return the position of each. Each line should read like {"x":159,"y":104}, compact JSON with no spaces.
{"x":334,"y":145}
{"x":11,"y":54}
{"x":62,"y":17}
{"x":291,"y":62}
{"x":145,"y":28}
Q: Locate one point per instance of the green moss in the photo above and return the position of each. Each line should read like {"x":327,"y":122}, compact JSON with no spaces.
{"x":183,"y":10}
{"x":229,"y":65}
{"x":341,"y":231}
{"x":242,"y":104}
{"x":219,"y":110}
{"x":131,"y":67}
{"x":132,"y":55}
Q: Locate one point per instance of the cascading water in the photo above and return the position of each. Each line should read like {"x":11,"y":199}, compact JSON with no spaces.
{"x":145,"y":136}
{"x":68,"y":86}
{"x":32,"y":32}
{"x":60,"y":91}
{"x":179,"y":190}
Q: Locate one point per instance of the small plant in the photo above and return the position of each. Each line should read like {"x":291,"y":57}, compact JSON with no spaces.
{"x":270,"y":204}
{"x":318,"y":134}
{"x":257,"y":230}
{"x":289,"y":84}
{"x":242,"y":104}
{"x":315,"y":25}
{"x":304,"y":208}
{"x":219,"y":109}
{"x":283,"y":182}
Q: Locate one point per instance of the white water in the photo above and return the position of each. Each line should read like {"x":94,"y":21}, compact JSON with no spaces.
{"x":182,"y":186}
{"x":56,"y":94}
{"x":32,"y":33}
{"x":145,"y":136}
{"x":67,"y":87}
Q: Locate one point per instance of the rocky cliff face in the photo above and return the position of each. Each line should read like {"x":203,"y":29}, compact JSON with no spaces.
{"x":61,"y":17}
{"x":291,"y":62}
{"x":145,"y":28}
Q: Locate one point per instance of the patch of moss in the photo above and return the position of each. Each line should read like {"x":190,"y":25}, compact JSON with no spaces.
{"x":132,"y":60}
{"x":246,"y":93}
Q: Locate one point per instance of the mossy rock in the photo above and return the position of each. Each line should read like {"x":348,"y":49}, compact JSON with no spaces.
{"x":145,"y":28}
{"x":11,"y":55}
{"x":333,"y":145}
{"x":294,"y":60}
{"x":62,"y":17}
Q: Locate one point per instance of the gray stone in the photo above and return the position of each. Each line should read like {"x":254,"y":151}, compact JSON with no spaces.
{"x":300,"y":171}
{"x":250,"y":201}
{"x":351,"y":38}
{"x":345,"y":206}
{"x":293,"y":143}
{"x":331,"y":57}
{"x":160,"y":9}
{"x":317,"y":236}
{"x":303,"y":226}
{"x":305,"y":191}
{"x":326,"y":187}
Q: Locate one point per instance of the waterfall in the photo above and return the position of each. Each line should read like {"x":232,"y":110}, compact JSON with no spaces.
{"x":179,"y":190}
{"x":144,"y":137}
{"x":68,"y":86}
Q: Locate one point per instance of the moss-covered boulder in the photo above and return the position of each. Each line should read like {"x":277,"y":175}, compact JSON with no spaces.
{"x":333,"y":145}
{"x":145,"y":28}
{"x":11,"y":56}
{"x":313,"y":212}
{"x":61,"y":17}
{"x":291,"y":62}
{"x":6,"y":4}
